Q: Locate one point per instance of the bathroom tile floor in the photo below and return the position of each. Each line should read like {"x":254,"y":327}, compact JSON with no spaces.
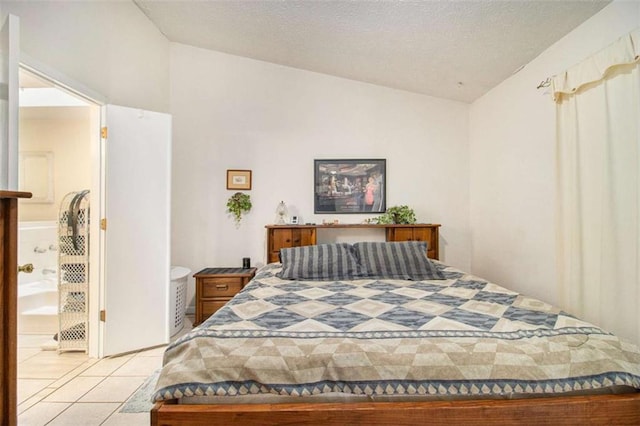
{"x":72,"y":389}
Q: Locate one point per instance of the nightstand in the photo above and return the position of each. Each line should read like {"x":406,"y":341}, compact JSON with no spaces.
{"x":216,"y":286}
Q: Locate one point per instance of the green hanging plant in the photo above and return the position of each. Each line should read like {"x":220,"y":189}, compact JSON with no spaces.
{"x":402,"y":215}
{"x":238,"y":204}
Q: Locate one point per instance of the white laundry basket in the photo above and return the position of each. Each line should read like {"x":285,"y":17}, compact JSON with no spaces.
{"x":178,"y":304}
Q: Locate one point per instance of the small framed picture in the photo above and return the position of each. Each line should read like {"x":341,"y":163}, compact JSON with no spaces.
{"x":238,"y":179}
{"x":294,"y":220}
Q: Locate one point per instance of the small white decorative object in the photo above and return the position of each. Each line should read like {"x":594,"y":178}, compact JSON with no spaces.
{"x":281,"y":211}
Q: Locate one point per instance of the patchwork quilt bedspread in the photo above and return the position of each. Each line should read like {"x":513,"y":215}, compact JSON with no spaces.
{"x":462,"y":336}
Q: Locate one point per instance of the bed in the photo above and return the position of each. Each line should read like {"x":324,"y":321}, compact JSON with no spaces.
{"x":376,"y":333}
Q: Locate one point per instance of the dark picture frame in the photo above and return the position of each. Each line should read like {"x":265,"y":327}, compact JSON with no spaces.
{"x":350,"y":186}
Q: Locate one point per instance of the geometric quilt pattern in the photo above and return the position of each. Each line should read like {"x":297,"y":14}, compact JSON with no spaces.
{"x":452,"y":337}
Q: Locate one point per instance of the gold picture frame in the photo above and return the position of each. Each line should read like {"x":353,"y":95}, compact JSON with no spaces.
{"x":239,"y":179}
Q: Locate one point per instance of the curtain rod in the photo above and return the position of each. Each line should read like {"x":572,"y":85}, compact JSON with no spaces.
{"x":544,"y":83}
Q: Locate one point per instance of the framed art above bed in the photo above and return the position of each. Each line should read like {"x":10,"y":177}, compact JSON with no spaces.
{"x":350,"y":186}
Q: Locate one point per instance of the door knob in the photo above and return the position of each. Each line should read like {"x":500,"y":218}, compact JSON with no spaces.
{"x":28,"y":268}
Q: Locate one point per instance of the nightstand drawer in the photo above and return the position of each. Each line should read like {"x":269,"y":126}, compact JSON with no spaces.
{"x":210,"y":306}
{"x":220,"y":287}
{"x":216,"y":286}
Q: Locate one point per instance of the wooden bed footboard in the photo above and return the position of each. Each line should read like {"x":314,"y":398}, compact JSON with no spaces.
{"x":622,"y":409}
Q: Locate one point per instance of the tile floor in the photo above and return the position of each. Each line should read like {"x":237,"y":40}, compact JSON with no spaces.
{"x":72,"y":389}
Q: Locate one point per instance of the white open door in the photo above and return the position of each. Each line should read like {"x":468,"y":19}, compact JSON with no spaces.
{"x":9,"y":63}
{"x":136,"y":242}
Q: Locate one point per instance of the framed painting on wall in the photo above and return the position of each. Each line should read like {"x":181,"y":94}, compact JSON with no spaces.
{"x":36,"y":176}
{"x":350,"y":186}
{"x":239,"y":179}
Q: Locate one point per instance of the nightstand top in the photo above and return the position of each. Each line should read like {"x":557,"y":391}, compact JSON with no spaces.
{"x":235,"y":272}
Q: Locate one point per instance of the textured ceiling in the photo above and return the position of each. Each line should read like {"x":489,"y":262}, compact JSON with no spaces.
{"x":449,"y":49}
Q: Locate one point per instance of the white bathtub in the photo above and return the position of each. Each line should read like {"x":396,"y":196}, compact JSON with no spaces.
{"x":38,"y":291}
{"x":45,"y":286}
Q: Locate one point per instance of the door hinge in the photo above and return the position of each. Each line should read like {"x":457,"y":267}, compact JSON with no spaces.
{"x":103,"y":132}
{"x":103,"y":315}
{"x":103,"y":224}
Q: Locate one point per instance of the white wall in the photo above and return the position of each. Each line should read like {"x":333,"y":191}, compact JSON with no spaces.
{"x":65,"y":132}
{"x":492,"y":162}
{"x":109,"y":47}
{"x":512,"y":162}
{"x":236,"y":113}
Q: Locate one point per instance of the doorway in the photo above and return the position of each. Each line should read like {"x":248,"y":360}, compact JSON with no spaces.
{"x":129,"y":223}
{"x":57,"y":157}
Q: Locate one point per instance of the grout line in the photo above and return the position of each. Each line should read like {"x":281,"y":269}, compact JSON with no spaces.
{"x":37,"y":397}
{"x":72,"y":375}
{"x":112,"y":413}
{"x":81,"y":396}
{"x":56,"y":416}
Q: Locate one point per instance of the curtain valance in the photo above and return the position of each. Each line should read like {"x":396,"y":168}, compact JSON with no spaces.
{"x":626,"y":50}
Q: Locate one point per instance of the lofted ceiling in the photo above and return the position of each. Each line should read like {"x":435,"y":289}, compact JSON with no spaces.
{"x":455,"y":50}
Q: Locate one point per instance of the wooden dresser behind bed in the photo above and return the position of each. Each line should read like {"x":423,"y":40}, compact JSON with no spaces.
{"x":284,"y":236}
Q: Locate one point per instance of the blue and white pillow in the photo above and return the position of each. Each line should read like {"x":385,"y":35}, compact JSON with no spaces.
{"x":324,"y":262}
{"x":403,"y":260}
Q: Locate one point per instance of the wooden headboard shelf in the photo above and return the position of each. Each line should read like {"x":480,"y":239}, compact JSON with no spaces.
{"x":284,"y":236}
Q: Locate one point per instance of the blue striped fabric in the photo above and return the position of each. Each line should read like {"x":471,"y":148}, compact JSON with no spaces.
{"x":405,"y":260}
{"x":324,"y":262}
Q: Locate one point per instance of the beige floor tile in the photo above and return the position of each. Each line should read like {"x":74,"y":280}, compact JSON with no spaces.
{"x":32,"y":340}
{"x":128,"y":419}
{"x":42,"y":413}
{"x":26,"y":353}
{"x":106,"y":366}
{"x":30,"y":387}
{"x":75,"y":389}
{"x":74,"y":373}
{"x":113,"y":389}
{"x":159,"y":351}
{"x":49,"y":365}
{"x":28,"y":404}
{"x":139,"y":366}
{"x":91,"y":414}
{"x":38,"y":397}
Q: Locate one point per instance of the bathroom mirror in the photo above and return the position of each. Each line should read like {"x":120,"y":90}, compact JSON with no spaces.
{"x":36,"y":176}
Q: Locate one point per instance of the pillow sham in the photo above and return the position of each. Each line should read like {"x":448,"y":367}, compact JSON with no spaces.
{"x":404,"y":260}
{"x":323,"y":262}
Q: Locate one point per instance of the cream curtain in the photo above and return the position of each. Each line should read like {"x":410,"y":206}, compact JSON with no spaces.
{"x":598,"y":187}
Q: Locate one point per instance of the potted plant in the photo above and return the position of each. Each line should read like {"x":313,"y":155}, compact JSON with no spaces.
{"x":402,"y":215}
{"x":238,"y":204}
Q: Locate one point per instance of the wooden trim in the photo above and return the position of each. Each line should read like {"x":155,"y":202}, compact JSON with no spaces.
{"x":357,"y":225}
{"x":8,"y":305}
{"x":623,"y":409}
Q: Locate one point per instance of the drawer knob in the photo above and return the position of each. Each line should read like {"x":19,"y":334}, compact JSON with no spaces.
{"x":222,"y":287}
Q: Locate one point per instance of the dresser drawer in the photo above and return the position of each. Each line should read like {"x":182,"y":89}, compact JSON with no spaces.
{"x":221,"y":287}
